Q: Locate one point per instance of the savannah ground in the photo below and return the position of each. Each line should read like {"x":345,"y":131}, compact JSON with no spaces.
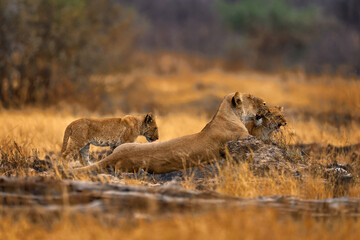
{"x":319,"y":109}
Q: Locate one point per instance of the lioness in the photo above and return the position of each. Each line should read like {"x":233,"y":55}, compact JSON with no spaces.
{"x":106,"y":132}
{"x":270,"y":121}
{"x":190,"y":150}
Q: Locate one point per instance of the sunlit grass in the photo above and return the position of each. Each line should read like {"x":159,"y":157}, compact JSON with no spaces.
{"x":40,"y":132}
{"x":227,"y":224}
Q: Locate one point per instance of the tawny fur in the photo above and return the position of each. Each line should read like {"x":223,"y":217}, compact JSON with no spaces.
{"x":106,"y":132}
{"x":191,"y":150}
{"x":271,"y":121}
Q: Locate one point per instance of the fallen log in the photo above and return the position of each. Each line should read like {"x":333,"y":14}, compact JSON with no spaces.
{"x":45,"y":198}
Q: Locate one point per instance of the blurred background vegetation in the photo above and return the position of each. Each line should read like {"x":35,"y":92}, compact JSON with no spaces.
{"x":50,"y":49}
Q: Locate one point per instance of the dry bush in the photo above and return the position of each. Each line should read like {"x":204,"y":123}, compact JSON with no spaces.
{"x":50,"y":48}
{"x":13,"y":159}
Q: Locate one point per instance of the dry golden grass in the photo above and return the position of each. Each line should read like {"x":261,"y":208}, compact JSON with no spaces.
{"x":42,"y":131}
{"x":321,"y":93}
{"x":242,"y":182}
{"x":235,"y":224}
{"x":34,"y":129}
{"x":323,"y":133}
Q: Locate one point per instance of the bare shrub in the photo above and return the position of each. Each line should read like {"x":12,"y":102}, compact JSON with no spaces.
{"x":13,"y":159}
{"x":48,"y":49}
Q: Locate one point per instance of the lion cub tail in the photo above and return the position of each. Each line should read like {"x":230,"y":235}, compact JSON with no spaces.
{"x":67,"y":134}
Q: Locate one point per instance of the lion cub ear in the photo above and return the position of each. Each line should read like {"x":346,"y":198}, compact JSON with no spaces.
{"x":148,"y":118}
{"x":236,"y":99}
{"x":280,"y":108}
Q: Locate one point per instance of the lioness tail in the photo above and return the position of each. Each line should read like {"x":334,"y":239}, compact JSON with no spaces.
{"x":98,"y":165}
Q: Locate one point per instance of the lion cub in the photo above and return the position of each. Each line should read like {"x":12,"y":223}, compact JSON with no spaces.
{"x":267,"y":123}
{"x":106,"y":132}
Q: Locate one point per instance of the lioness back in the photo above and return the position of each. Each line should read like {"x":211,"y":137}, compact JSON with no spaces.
{"x":271,"y":121}
{"x":106,"y":132}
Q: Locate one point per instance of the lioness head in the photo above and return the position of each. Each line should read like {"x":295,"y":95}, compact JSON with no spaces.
{"x":246,"y":106}
{"x":150,"y":129}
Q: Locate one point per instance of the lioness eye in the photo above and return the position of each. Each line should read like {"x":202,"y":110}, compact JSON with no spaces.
{"x":264,"y":103}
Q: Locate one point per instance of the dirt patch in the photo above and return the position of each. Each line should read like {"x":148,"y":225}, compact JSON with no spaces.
{"x":265,"y":157}
{"x":296,"y":161}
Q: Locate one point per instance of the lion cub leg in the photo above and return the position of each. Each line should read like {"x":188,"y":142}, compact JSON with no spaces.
{"x":84,"y":155}
{"x":69,"y":153}
{"x":74,"y":148}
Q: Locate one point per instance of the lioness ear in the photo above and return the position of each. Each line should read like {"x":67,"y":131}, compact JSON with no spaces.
{"x":236,"y":99}
{"x":148,"y":118}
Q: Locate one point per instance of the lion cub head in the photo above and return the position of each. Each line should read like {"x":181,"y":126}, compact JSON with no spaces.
{"x":247,"y":106}
{"x":149,"y":128}
{"x":275,"y":119}
{"x":267,"y":122}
